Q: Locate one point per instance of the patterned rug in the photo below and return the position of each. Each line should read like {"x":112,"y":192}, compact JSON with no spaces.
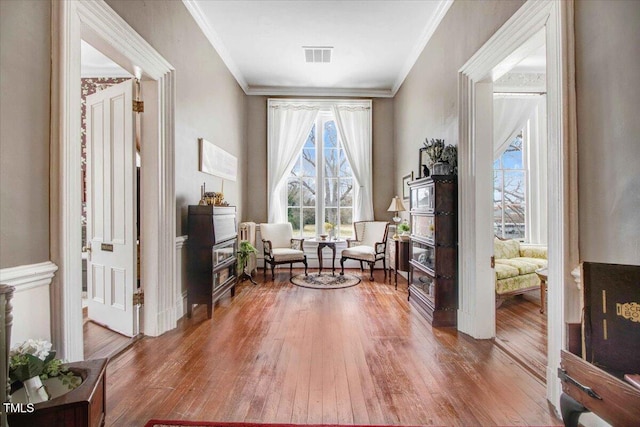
{"x":325,"y":280}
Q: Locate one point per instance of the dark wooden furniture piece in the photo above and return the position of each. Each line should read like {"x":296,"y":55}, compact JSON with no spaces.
{"x":211,"y":250}
{"x":331,"y":244}
{"x":399,"y":256}
{"x":611,"y":343}
{"x":433,"y":275}
{"x":84,"y":406}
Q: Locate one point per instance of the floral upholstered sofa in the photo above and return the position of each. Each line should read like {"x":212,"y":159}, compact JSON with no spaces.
{"x":516,"y":265}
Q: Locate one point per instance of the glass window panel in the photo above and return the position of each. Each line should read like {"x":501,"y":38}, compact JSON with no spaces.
{"x":514,"y":221}
{"x":331,"y":162}
{"x":297,"y":168}
{"x":309,"y":222}
{"x":512,"y":157}
{"x":496,"y":163}
{"x":311,"y":139}
{"x":330,"y":134}
{"x":293,"y":192}
{"x":513,"y":186}
{"x":346,"y":222}
{"x":331,"y":192}
{"x":309,"y":162}
{"x":346,"y":192}
{"x":293,"y":215}
{"x":344,"y":166}
{"x":331,"y":216}
{"x":308,"y":192}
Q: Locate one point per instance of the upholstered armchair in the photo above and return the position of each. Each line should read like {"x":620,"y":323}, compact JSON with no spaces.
{"x":369,"y":245}
{"x":281,"y":248}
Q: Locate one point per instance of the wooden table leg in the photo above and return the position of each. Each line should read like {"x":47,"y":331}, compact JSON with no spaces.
{"x":333,"y":260}
{"x":543,"y":294}
{"x":320,"y":246}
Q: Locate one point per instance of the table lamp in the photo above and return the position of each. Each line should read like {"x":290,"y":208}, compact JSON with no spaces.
{"x":395,"y":207}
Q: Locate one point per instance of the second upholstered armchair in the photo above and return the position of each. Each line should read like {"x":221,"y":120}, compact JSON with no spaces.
{"x":369,"y":245}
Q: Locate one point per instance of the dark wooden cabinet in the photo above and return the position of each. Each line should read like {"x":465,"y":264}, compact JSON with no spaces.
{"x":84,"y":406}
{"x":433,"y":258}
{"x":398,"y":255}
{"x":211,"y":255}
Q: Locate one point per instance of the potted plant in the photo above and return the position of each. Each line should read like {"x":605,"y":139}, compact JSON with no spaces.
{"x":404,"y":227}
{"x":443,"y":159}
{"x":33,"y":361}
{"x":244,"y":252}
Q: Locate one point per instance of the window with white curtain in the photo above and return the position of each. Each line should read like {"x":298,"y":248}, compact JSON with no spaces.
{"x":320,"y":185}
{"x":319,"y":158}
{"x":509,"y":191}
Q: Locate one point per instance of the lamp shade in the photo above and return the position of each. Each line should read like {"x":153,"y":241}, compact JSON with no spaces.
{"x":396,"y":205}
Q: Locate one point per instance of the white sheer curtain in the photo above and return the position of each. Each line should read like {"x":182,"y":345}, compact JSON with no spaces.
{"x":354,"y":125}
{"x":510,"y":115}
{"x":289,"y":126}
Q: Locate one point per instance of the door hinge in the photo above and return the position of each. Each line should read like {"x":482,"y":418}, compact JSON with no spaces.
{"x":138,"y":106}
{"x":138,"y":298}
{"x":493,"y":261}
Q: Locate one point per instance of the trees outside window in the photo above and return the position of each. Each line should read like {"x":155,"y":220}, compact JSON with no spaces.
{"x":320,"y":195}
{"x":509,"y":202}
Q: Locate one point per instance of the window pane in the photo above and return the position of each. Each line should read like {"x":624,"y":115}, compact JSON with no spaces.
{"x":293,"y":215}
{"x":346,"y":192}
{"x":311,"y":139}
{"x":346,"y":222}
{"x":331,"y":216}
{"x":331,"y":192}
{"x":330,"y":134}
{"x":309,"y":162}
{"x":308,"y":192}
{"x":344,"y":167}
{"x":512,"y":158}
{"x":293,"y":192}
{"x":297,"y":169}
{"x":497,"y":219}
{"x":331,"y":162}
{"x":309,"y":221}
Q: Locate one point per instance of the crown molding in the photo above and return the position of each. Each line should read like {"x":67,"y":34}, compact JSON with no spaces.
{"x":216,"y":42}
{"x":428,"y":31}
{"x":318,"y":91}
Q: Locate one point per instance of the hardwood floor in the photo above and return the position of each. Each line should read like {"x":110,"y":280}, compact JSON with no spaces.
{"x":521,"y":330}
{"x":100,"y":342}
{"x":281,"y":353}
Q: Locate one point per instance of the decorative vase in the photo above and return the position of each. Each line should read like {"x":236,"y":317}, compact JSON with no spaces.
{"x":35,"y":391}
{"x":440,"y":168}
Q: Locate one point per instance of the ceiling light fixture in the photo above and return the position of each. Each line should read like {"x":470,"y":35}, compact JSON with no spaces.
{"x":319,"y":54}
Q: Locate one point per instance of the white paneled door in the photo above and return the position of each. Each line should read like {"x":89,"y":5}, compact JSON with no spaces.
{"x":111,"y":207}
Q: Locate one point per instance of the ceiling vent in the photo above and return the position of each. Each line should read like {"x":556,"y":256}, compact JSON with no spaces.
{"x":317,"y":53}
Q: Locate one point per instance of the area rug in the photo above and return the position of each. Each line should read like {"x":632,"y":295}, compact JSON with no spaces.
{"x":169,"y":423}
{"x":325,"y":280}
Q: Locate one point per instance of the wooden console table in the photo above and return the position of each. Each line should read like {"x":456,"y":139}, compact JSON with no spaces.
{"x":399,"y":256}
{"x":84,"y":406}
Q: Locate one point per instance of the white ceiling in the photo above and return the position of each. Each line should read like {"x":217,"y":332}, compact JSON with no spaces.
{"x":375,"y":43}
{"x":95,"y":64}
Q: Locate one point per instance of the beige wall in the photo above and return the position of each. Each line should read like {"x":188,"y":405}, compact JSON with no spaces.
{"x":426,"y":106}
{"x":209,"y":102}
{"x":383,"y":154}
{"x":24,"y":132}
{"x":608,"y":101}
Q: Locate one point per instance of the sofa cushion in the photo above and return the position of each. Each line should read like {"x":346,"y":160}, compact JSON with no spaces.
{"x":506,"y":248}
{"x":539,"y":262}
{"x":286,"y":254}
{"x":363,"y":252}
{"x":522,"y":266}
{"x":533,"y":251}
{"x":504,"y":271}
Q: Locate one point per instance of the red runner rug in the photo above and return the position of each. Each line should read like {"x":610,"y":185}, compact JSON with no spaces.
{"x":178,"y":423}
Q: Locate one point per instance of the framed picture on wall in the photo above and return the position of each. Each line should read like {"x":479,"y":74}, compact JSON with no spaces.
{"x":422,"y":163}
{"x":405,"y":186}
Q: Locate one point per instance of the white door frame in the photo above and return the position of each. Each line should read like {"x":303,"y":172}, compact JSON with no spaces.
{"x":97,"y":23}
{"x":477,"y":289}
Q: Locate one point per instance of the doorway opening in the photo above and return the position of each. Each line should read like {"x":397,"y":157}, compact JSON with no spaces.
{"x":100,"y":335}
{"x":520,"y":208}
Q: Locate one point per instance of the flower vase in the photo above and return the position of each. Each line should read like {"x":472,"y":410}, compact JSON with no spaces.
{"x":35,"y":391}
{"x":440,"y":168}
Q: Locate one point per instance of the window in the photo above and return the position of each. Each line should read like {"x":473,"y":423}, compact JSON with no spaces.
{"x":319,"y":195}
{"x":509,"y":203}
